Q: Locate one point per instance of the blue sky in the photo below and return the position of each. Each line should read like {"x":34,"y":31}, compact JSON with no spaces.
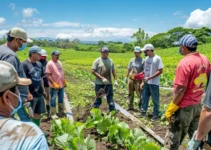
{"x":101,"y":19}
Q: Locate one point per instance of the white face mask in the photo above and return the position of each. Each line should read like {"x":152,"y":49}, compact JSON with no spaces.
{"x":15,"y":110}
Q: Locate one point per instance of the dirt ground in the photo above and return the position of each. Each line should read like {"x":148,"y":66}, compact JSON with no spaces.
{"x":81,"y":114}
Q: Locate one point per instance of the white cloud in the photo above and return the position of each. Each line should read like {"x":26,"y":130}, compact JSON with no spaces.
{"x":3,"y":32}
{"x":199,"y":18}
{"x":101,"y":34}
{"x":29,"y":12}
{"x":177,"y":13}
{"x":12,"y":6}
{"x":32,"y":22}
{"x":134,"y":19}
{"x":2,"y":20}
{"x":65,"y":24}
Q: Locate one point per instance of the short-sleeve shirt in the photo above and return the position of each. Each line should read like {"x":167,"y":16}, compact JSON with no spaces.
{"x":136,"y":65}
{"x":17,"y":135}
{"x":34,"y":71}
{"x":104,"y":67}
{"x":6,"y":54}
{"x":56,"y":72}
{"x":192,"y":72}
{"x":45,"y":79}
{"x":207,"y":99}
{"x":151,"y":66}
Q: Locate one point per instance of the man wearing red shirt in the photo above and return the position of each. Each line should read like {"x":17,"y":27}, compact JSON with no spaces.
{"x":189,"y":84}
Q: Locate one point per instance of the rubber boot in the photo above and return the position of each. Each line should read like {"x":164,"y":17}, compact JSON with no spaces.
{"x":48,"y":110}
{"x":53,"y":113}
{"x":61,"y":109}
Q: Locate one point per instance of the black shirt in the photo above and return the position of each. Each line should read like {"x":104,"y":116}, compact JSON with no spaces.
{"x":34,"y":71}
{"x":45,"y":79}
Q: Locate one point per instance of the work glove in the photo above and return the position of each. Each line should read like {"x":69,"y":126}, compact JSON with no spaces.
{"x":139,"y":76}
{"x":55,"y":85}
{"x":65,"y":83}
{"x":125,"y":79}
{"x":105,"y":81}
{"x":194,"y":144}
{"x":115,"y":83}
{"x":170,"y":111}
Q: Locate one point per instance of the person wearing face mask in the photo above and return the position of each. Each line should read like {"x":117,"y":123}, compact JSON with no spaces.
{"x":16,"y":135}
{"x":34,"y":71}
{"x":153,"y":68}
{"x":43,"y":61}
{"x":17,"y":41}
{"x":135,"y":66}
{"x":189,"y":84}
{"x":57,"y":83}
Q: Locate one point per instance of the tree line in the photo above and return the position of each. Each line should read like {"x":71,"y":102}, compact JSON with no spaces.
{"x":160,"y":40}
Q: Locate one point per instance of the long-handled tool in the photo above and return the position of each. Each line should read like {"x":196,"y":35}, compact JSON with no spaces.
{"x":101,"y":93}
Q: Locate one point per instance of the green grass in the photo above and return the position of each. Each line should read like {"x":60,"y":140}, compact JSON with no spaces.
{"x":81,"y":59}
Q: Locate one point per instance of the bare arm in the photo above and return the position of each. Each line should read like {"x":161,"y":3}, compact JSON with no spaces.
{"x":179,"y":93}
{"x":204,"y":123}
{"x":97,"y":75}
{"x":49,"y":78}
{"x":114,"y":74}
{"x":128,"y":71}
{"x":159,"y":72}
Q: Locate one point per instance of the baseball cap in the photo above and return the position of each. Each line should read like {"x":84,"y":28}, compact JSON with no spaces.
{"x":137,"y":49}
{"x":43,"y":52}
{"x":34,"y":49}
{"x":19,"y":33}
{"x":9,"y":77}
{"x":55,"y":52}
{"x":104,"y":49}
{"x":187,"y":40}
{"x":147,"y":47}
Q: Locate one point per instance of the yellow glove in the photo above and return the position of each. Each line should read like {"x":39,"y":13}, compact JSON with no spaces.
{"x":132,"y":76}
{"x":55,"y":85}
{"x":65,"y":83}
{"x":170,"y":111}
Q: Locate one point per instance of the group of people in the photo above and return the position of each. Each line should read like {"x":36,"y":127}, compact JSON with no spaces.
{"x":35,"y":84}
{"x":28,"y":88}
{"x":185,"y":112}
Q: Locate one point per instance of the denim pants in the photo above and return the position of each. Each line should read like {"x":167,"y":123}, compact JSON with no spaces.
{"x":109,"y":96}
{"x":54,"y":93}
{"x":151,"y":90}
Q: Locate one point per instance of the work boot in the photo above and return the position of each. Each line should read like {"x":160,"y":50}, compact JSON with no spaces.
{"x":53,"y":113}
{"x":61,"y":110}
{"x":48,"y":110}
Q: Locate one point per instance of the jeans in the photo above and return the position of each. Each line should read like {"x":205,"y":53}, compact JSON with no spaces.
{"x":23,"y":115}
{"x":151,"y":90}
{"x":54,"y":93}
{"x":109,"y":96}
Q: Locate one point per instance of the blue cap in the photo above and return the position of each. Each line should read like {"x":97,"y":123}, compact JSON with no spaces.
{"x":104,"y":49}
{"x":34,"y":49}
{"x":188,"y":40}
{"x":55,"y":52}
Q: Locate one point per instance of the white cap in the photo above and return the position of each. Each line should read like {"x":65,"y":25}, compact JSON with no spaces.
{"x":43,"y":52}
{"x":137,"y":49}
{"x":147,"y":47}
